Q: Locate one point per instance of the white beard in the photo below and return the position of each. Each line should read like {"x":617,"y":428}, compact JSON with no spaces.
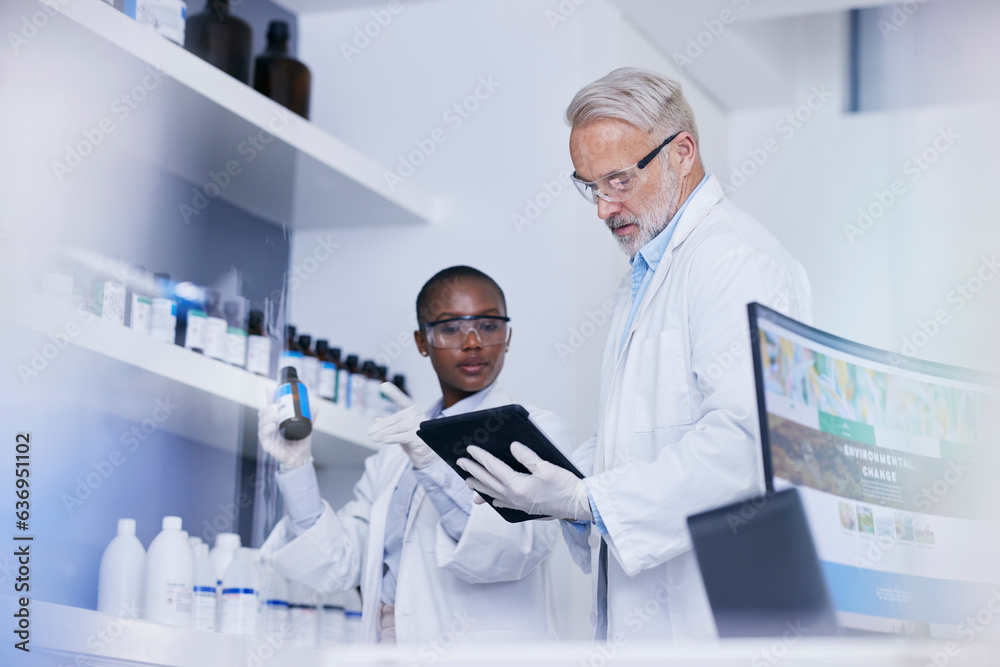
{"x":652,"y":221}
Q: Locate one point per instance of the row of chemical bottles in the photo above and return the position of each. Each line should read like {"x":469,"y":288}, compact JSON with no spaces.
{"x":197,"y":319}
{"x":349,"y":383}
{"x":228,"y":589}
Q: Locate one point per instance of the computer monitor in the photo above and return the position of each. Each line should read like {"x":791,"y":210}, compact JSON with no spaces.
{"x":894,"y":459}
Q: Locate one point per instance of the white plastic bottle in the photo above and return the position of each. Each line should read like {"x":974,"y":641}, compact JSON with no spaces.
{"x":204,"y":610}
{"x":332,"y":621}
{"x":274,"y":603}
{"x":302,"y":615}
{"x":226,"y":546}
{"x":120,"y":578}
{"x":169,"y":576}
{"x":240,"y":595}
{"x":222,"y":554}
{"x":352,"y":626}
{"x":351,"y":600}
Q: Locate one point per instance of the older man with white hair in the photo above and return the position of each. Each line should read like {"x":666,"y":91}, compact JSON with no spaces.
{"x":676,"y":425}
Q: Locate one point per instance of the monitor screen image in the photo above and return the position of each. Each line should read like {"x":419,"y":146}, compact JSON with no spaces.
{"x":895,"y":461}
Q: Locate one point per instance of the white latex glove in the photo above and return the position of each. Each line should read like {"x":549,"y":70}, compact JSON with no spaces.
{"x":401,"y":427}
{"x":546,"y":489}
{"x":290,"y":454}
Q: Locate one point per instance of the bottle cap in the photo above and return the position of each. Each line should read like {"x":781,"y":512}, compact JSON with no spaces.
{"x":201,"y":550}
{"x":256,"y":318}
{"x":194,"y":539}
{"x":305,"y":341}
{"x":227,"y":541}
{"x":171,"y":523}
{"x":277,"y":31}
{"x":126,"y":526}
{"x":290,"y":331}
{"x":322,"y":344}
{"x":288,"y":374}
{"x":334,"y":353}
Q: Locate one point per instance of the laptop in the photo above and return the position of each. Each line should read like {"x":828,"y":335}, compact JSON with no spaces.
{"x":760,"y":569}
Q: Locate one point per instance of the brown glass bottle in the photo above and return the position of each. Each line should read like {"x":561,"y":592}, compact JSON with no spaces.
{"x":291,"y":354}
{"x":326,"y":386}
{"x":310,"y":363}
{"x":280,"y":76}
{"x":224,"y":40}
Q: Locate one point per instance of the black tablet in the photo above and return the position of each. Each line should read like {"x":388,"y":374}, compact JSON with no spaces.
{"x":493,"y":430}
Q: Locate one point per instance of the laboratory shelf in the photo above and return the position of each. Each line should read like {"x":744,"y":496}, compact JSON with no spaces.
{"x":198,"y":122}
{"x":69,"y":633}
{"x":124,"y":372}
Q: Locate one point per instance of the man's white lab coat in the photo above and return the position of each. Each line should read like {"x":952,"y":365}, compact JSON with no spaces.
{"x":677,"y":421}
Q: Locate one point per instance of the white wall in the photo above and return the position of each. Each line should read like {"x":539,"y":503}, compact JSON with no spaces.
{"x":396,"y":91}
{"x":879,"y":286}
{"x":555,"y":270}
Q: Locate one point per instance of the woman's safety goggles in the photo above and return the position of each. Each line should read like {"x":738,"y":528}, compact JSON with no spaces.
{"x":454,"y":331}
{"x":621,"y":185}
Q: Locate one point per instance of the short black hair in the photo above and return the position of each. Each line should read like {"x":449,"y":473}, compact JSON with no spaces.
{"x":446,"y":278}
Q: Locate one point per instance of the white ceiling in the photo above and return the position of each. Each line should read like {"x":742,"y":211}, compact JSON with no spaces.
{"x":750,"y":63}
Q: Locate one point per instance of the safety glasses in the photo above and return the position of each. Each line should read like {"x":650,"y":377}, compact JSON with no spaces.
{"x":623,"y":184}
{"x":452,"y":333}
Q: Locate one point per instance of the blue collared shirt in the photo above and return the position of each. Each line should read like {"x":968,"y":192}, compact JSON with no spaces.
{"x":644,"y":265}
{"x":648,"y":258}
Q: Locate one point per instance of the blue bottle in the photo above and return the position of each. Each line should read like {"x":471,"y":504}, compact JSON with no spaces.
{"x":292,"y":399}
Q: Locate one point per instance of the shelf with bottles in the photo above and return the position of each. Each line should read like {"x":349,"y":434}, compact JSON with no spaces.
{"x":201,"y":346}
{"x":218,"y":133}
{"x":101,"y":639}
{"x":230,"y":590}
{"x":206,"y":387}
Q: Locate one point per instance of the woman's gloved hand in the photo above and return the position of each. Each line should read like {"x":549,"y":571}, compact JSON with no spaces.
{"x":401,"y":427}
{"x":290,"y":454}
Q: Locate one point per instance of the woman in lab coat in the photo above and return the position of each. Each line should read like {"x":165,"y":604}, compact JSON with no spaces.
{"x":432,"y":566}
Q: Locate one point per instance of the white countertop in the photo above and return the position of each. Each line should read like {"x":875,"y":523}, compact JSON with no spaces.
{"x":71,"y":632}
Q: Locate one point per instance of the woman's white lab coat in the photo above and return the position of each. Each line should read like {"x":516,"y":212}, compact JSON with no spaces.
{"x":493,"y":583}
{"x":677,"y":421}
